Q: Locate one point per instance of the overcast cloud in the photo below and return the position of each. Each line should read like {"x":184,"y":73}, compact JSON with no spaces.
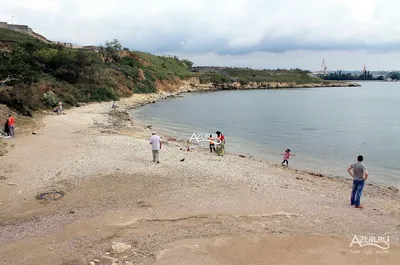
{"x":254,"y":33}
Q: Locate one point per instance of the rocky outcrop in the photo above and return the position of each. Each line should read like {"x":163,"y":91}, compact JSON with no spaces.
{"x":278,"y":85}
{"x":194,"y":85}
{"x":141,"y":74}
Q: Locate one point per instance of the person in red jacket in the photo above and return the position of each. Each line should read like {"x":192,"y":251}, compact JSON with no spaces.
{"x":221,"y":143}
{"x":11,"y":123}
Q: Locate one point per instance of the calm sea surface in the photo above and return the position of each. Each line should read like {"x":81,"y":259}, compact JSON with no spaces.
{"x":325,"y":127}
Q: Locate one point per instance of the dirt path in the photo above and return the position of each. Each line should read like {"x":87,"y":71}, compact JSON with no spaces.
{"x":205,"y":210}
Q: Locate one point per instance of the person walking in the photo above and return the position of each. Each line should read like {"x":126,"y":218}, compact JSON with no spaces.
{"x":11,"y":123}
{"x":359,"y":173}
{"x":286,"y":157}
{"x":156,"y":144}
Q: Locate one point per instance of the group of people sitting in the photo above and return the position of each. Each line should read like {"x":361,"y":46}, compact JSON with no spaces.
{"x":217,"y":143}
{"x":59,"y":108}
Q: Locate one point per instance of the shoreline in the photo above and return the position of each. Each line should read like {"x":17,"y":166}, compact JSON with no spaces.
{"x":203,"y":210}
{"x":172,"y":95}
{"x":206,"y":88}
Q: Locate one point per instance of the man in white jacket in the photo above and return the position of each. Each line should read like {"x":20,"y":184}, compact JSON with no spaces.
{"x":156,"y":144}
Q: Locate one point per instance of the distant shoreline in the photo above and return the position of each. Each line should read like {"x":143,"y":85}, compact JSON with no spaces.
{"x":365,"y":81}
{"x":280,"y":85}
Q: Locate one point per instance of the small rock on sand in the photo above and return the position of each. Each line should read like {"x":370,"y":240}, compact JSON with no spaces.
{"x":92,"y":263}
{"x":128,"y":263}
{"x":242,"y":156}
{"x":118,"y":247}
{"x":113,"y":260}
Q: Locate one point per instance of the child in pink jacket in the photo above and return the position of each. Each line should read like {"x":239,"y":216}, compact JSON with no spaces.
{"x":286,"y":157}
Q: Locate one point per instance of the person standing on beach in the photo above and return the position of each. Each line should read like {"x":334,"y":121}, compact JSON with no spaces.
{"x":221,"y":143}
{"x":286,"y":157}
{"x":359,"y":173}
{"x":156,"y":144}
{"x":211,"y":142}
{"x":60,"y":107}
{"x":11,"y":123}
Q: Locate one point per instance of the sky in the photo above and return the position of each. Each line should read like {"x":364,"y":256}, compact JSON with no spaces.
{"x":270,"y":34}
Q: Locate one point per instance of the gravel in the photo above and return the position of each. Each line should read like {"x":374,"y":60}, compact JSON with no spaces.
{"x":115,"y":193}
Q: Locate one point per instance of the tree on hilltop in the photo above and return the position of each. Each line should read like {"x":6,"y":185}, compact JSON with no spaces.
{"x":110,"y":51}
{"x":188,"y":63}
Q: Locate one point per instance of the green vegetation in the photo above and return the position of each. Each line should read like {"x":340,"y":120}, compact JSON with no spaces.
{"x":34,"y":74}
{"x":338,"y":75}
{"x":394,"y":75}
{"x":246,"y":75}
{"x":14,"y":36}
{"x":165,"y":67}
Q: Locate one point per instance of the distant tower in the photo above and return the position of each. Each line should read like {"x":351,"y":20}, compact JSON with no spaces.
{"x":324,"y":67}
{"x":364,"y":72}
{"x":364,"y":69}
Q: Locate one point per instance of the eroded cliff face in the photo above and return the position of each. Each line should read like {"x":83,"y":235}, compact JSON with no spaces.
{"x":193,"y":84}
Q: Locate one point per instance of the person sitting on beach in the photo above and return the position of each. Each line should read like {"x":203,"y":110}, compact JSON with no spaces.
{"x":221,"y":144}
{"x":55,"y":110}
{"x":359,"y":174}
{"x":286,"y":157}
{"x":212,"y":145}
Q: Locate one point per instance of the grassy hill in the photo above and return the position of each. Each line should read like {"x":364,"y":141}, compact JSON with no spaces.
{"x":35,"y":75}
{"x":247,"y":75}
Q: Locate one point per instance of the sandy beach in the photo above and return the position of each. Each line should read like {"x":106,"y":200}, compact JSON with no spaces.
{"x":203,"y":210}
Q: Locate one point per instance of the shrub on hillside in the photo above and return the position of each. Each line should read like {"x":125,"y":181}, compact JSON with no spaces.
{"x":103,"y":94}
{"x":50,"y":99}
{"x":130,"y":62}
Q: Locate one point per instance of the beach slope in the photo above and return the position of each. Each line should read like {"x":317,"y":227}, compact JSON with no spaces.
{"x":203,"y":210}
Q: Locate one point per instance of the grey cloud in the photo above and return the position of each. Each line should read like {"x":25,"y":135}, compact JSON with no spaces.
{"x":168,"y":42}
{"x":220,"y":27}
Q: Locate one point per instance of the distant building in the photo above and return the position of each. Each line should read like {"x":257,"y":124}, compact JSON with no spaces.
{"x":27,"y":30}
{"x":20,"y":28}
{"x":23,"y":29}
{"x":91,"y":48}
